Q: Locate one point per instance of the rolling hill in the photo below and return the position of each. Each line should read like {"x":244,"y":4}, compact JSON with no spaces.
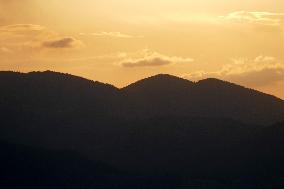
{"x":159,"y":132}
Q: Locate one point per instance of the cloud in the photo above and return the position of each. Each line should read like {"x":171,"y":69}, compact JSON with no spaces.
{"x":148,"y":58}
{"x":262,"y":58}
{"x":23,"y":32}
{"x":257,"y":78}
{"x":137,"y":59}
{"x":257,"y":72}
{"x":259,"y":18}
{"x":21,"y":28}
{"x":26,"y":37}
{"x":112,"y":35}
{"x":65,"y":42}
{"x":155,"y":61}
{"x":242,"y":17}
{"x":5,"y":50}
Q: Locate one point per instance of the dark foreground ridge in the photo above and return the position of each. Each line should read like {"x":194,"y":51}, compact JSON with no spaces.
{"x":63,"y":131}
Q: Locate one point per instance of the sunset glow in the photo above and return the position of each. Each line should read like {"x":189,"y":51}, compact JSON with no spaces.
{"x":121,"y":41}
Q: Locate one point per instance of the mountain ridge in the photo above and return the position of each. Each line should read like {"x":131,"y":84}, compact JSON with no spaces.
{"x":158,"y":95}
{"x":157,"y":76}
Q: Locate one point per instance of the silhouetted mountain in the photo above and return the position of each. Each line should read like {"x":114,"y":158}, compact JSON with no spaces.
{"x":168,"y":95}
{"x":161,"y":95}
{"x":52,"y":90}
{"x":160,"y":132}
{"x":159,"y":83}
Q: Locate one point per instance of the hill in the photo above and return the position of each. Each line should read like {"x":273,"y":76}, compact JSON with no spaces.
{"x":165,"y":95}
{"x":160,"y":95}
{"x":160,"y":132}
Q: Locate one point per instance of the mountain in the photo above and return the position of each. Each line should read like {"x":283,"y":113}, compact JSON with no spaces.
{"x":48,"y":94}
{"x":160,"y":95}
{"x":52,"y":90}
{"x":160,"y":132}
{"x":168,"y":95}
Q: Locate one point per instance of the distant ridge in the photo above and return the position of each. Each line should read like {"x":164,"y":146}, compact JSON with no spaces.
{"x":163,"y":78}
{"x":169,"y":95}
{"x":159,"y":95}
{"x":48,"y":73}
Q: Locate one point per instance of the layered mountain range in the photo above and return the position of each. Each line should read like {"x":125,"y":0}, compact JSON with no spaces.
{"x":159,"y":132}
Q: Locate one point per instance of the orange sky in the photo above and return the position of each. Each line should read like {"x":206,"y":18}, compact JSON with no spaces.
{"x":120,"y":41}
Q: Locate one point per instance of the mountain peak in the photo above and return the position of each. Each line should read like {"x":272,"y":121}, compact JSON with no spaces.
{"x":159,"y":82}
{"x":165,"y":77}
{"x":211,"y":80}
{"x":215,"y":81}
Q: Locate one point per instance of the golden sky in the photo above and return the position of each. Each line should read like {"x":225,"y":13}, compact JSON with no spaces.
{"x":121,"y":41}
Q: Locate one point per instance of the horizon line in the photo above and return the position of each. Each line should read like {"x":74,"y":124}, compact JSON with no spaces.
{"x":145,"y":78}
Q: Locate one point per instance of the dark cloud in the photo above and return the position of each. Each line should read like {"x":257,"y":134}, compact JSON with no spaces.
{"x":157,"y":61}
{"x":148,"y":58}
{"x":66,"y":42}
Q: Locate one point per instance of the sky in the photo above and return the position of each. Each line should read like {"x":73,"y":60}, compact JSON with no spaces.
{"x":121,"y":41}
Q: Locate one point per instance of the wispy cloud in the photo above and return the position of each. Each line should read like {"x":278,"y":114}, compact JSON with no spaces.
{"x":21,"y":27}
{"x":29,"y":36}
{"x":261,"y":18}
{"x":112,"y":35}
{"x":5,"y":50}
{"x":260,"y":71}
{"x":141,"y":58}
